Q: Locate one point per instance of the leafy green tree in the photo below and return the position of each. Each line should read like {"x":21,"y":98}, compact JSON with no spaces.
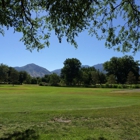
{"x":23,"y":75}
{"x":98,"y":77}
{"x":131,"y":78}
{"x":46,"y":79}
{"x":102,"y":78}
{"x":38,"y":80}
{"x":37,"y":18}
{"x":71,"y":70}
{"x":34,"y":80}
{"x":87,"y":75}
{"x":85,"y":78}
{"x":120,"y":67}
{"x":111,"y":79}
{"x":95,"y":78}
{"x":13,"y":76}
{"x":28,"y":79}
{"x":54,"y":79}
{"x":4,"y":73}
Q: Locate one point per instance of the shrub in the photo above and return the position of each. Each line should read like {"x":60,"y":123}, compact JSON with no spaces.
{"x":102,"y":86}
{"x":28,"y":134}
{"x":114,"y":86}
{"x":120,"y":86}
{"x":43,"y":84}
{"x":135,"y":86}
{"x":106,"y":85}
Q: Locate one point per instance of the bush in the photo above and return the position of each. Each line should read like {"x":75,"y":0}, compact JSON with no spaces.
{"x":28,"y":134}
{"x":135,"y":86}
{"x":106,"y":85}
{"x":43,"y":84}
{"x":102,"y":86}
{"x":97,"y":86}
{"x":120,"y":86}
{"x":114,"y":86}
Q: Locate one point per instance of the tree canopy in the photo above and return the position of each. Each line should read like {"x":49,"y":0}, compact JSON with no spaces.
{"x":3,"y":73}
{"x":10,"y":75}
{"x":37,"y":18}
{"x":86,"y":75}
{"x":120,"y":68}
{"x":71,"y":71}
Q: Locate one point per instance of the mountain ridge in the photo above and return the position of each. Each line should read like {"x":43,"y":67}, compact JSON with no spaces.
{"x":38,"y":71}
{"x":34,"y":70}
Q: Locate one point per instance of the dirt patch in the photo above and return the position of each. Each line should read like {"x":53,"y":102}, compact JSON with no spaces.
{"x":61,"y":120}
{"x":126,"y":91}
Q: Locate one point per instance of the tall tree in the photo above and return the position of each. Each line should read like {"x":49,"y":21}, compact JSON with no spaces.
{"x":95,"y":77}
{"x":98,"y":77}
{"x":3,"y":73}
{"x":23,"y":75}
{"x":34,"y":80}
{"x":86,"y":76}
{"x":13,"y":76}
{"x":54,"y":79}
{"x":131,"y":79}
{"x":37,"y":18}
{"x":28,"y":79}
{"x":45,"y":79}
{"x":102,"y":77}
{"x":111,"y":79}
{"x":71,"y":70}
{"x":120,"y":67}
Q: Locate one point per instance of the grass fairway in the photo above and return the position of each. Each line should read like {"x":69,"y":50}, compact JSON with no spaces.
{"x":61,"y":113}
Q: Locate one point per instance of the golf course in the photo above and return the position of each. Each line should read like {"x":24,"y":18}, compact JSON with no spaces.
{"x":32,"y":112}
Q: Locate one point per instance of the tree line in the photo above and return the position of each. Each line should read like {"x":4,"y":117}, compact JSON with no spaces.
{"x":119,"y":70}
{"x":9,"y":75}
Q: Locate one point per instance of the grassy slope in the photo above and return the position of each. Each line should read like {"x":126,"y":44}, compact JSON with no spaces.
{"x":70,"y":113}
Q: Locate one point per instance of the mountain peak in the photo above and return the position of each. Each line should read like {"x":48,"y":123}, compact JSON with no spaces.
{"x":34,"y":70}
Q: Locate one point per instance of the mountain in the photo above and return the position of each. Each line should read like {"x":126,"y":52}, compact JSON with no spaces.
{"x":34,"y":70}
{"x":37,"y":71}
{"x":57,"y":71}
{"x":99,"y":67}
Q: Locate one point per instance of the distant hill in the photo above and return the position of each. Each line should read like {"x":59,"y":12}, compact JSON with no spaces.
{"x":99,"y":67}
{"x":57,"y":71}
{"x":34,"y":70}
{"x":37,"y":71}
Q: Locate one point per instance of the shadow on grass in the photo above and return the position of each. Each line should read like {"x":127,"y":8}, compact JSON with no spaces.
{"x":28,"y":134}
{"x":100,"y":138}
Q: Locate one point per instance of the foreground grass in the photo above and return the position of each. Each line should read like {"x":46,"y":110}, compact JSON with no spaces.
{"x":69,"y":113}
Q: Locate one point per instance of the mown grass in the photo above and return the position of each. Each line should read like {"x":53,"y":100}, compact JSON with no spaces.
{"x":61,"y":113}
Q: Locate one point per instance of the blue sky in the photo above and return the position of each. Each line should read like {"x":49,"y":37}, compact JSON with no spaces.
{"x":90,"y":51}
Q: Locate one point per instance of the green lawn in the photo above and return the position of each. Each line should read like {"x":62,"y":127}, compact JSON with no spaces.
{"x":61,"y":113}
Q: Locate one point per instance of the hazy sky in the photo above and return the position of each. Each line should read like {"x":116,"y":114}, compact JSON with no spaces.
{"x":90,"y":51}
